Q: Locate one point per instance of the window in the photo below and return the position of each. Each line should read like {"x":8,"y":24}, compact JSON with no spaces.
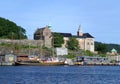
{"x":88,"y":43}
{"x":46,"y":33}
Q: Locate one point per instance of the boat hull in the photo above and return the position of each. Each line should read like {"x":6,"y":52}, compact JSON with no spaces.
{"x":28,"y":63}
{"x":39,"y":63}
{"x":51,"y":63}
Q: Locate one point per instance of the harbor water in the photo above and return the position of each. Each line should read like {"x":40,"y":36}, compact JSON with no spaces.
{"x":59,"y":74}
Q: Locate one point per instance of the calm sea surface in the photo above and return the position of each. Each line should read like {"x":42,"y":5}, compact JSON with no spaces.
{"x":59,"y":74}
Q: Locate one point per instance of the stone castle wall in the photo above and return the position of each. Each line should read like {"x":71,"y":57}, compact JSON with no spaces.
{"x":23,"y":42}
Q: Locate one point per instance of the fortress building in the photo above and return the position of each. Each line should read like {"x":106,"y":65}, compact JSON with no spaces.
{"x":86,"y":41}
{"x":44,"y":34}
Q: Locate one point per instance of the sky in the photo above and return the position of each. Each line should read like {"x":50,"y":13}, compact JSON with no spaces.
{"x":100,"y":18}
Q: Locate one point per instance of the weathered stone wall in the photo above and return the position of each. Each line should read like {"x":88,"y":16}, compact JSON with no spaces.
{"x":29,"y":51}
{"x":23,"y":42}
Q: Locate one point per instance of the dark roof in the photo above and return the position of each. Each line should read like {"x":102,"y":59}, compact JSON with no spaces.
{"x":39,"y":30}
{"x":85,"y":35}
{"x":65,"y":34}
{"x":78,"y":36}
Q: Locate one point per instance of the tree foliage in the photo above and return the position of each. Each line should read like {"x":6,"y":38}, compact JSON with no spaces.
{"x":88,"y":53}
{"x":108,"y":48}
{"x":100,"y":47}
{"x":72,"y":44}
{"x":70,"y":56}
{"x":58,"y":40}
{"x":9,"y":29}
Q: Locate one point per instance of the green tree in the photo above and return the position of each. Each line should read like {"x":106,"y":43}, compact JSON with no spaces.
{"x":101,"y":48}
{"x":72,"y":44}
{"x":109,"y":46}
{"x":9,"y":29}
{"x":58,"y":40}
{"x":88,"y":53}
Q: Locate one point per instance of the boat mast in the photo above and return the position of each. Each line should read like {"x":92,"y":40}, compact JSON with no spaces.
{"x":29,"y":45}
{"x":53,"y":45}
{"x":41,"y":44}
{"x":19,"y":41}
{"x":12,"y":43}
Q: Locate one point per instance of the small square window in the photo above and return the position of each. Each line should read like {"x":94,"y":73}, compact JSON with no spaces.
{"x":46,"y":33}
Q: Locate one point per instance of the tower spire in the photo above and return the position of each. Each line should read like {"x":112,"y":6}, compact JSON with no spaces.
{"x":80,"y":33}
{"x":80,"y":29}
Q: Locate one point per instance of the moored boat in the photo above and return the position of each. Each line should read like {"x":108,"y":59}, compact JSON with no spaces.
{"x":28,"y":63}
{"x":27,"y":60}
{"x":53,"y":62}
{"x":46,"y":63}
{"x":37,"y":63}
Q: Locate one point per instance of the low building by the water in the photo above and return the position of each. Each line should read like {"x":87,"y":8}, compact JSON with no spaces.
{"x":95,"y":60}
{"x":114,"y":51}
{"x":8,"y":59}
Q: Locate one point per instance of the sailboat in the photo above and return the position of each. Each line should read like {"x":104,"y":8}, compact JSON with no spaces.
{"x":25,"y":59}
{"x":50,"y":61}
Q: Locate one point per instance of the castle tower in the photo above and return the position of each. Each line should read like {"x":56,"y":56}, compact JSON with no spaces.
{"x":79,"y":32}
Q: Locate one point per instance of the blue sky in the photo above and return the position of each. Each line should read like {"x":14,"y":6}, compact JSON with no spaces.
{"x":100,"y":18}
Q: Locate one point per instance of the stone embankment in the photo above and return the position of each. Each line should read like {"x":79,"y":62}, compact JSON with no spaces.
{"x":31,"y":51}
{"x":22,"y":42}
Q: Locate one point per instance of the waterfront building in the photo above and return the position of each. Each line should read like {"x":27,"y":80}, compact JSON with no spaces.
{"x":85,"y":40}
{"x":92,"y":60}
{"x":114,"y":51}
{"x":44,"y":34}
{"x":8,"y":59}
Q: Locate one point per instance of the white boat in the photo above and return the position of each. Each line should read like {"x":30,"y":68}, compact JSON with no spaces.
{"x":52,"y":61}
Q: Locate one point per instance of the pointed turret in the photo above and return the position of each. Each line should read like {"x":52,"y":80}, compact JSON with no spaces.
{"x":80,"y":33}
{"x":49,"y":26}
